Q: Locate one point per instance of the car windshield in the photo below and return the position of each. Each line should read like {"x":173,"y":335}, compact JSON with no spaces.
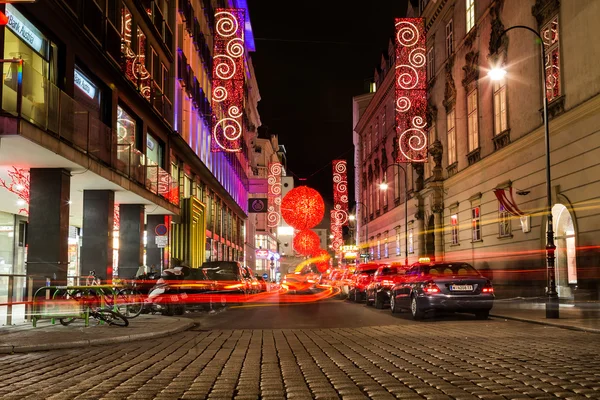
{"x":449,"y":269}
{"x":389,"y":271}
{"x":221,"y":271}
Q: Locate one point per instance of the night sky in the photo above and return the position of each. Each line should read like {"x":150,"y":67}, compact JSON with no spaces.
{"x":311,"y":58}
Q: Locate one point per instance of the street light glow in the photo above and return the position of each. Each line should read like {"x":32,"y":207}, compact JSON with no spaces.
{"x":497,"y":74}
{"x":383,"y":186}
{"x":351,"y":217}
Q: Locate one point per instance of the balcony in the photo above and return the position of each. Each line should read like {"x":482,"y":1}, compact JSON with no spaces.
{"x":28,"y":95}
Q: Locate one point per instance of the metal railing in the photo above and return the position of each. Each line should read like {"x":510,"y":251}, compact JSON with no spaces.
{"x":29,"y":95}
{"x":14,"y":295}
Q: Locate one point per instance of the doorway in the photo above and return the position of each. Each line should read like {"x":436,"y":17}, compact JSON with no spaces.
{"x":566,"y":254}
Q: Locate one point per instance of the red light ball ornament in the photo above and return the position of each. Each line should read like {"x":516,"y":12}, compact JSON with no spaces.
{"x":321,"y":257}
{"x":306,"y":242}
{"x":302,"y":208}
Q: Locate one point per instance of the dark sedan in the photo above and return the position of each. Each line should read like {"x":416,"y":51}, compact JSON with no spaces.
{"x":451,"y":286}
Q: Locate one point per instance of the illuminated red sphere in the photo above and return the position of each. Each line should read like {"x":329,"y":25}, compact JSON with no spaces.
{"x":306,"y":242}
{"x":302,"y":208}
{"x":321,"y":259}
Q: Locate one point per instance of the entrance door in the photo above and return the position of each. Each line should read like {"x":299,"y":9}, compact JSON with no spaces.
{"x":566,"y":260}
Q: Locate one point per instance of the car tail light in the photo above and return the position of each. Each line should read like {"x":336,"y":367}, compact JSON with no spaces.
{"x":237,"y":285}
{"x":431,"y":288}
{"x":387,"y":283}
{"x":488,"y":288}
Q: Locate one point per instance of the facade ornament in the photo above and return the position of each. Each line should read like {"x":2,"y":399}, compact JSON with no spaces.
{"x":497,"y":29}
{"x":376,"y":169}
{"x":436,"y":150}
{"x":370,"y":173}
{"x":544,"y":10}
{"x":431,"y":114}
{"x":471,"y":38}
{"x":384,"y":160}
{"x":450,"y":89}
{"x":471,"y":68}
{"x":420,"y":170}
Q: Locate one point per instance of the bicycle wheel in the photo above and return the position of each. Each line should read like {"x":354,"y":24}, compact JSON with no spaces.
{"x":129,"y":302}
{"x":110,"y":317}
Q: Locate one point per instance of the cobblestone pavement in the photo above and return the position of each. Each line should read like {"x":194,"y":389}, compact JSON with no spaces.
{"x":465,"y":359}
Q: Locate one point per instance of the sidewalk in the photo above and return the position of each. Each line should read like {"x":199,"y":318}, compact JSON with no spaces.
{"x":24,"y":338}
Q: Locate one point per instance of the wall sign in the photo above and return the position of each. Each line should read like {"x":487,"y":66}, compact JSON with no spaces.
{"x":25,"y":30}
{"x":85,"y":85}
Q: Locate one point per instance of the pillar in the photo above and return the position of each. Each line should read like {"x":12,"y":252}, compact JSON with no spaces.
{"x":131,"y":239}
{"x":48,"y":231}
{"x":439,"y":236}
{"x":98,"y":226}
{"x":154,"y":254}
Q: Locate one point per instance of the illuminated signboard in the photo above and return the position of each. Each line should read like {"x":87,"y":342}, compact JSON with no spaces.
{"x":262,"y":253}
{"x":25,"y":30}
{"x":411,"y":90}
{"x":85,"y":85}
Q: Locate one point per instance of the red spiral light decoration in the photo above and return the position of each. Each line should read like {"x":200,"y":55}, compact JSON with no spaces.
{"x":306,"y":242}
{"x":302,"y":208}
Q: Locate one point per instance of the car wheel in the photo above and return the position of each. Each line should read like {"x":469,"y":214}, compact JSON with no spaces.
{"x":169,"y":310}
{"x":482,"y":314}
{"x":415,"y":309}
{"x":378,"y":301}
{"x":393,"y":305}
{"x":180,"y":309}
{"x":351,"y":295}
{"x":357,"y":296}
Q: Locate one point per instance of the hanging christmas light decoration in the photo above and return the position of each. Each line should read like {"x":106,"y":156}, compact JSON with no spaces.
{"x":228,"y":80}
{"x":336,"y":231}
{"x":19,"y":185}
{"x":321,"y":259}
{"x":411,"y":90}
{"x":274,"y":194}
{"x":340,"y":192}
{"x":306,"y":242}
{"x":302,"y":208}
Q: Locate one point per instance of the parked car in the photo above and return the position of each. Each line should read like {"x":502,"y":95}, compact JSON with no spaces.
{"x":179,"y":289}
{"x":378,"y":291}
{"x":298,"y":283}
{"x":447,"y":286}
{"x":230,"y":284}
{"x":363,"y":274}
{"x":262,"y":283}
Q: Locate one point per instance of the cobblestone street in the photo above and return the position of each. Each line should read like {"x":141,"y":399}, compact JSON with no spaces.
{"x":448,"y":358}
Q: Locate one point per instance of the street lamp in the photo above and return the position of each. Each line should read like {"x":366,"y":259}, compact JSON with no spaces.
{"x":384,"y":186}
{"x":497,"y":74}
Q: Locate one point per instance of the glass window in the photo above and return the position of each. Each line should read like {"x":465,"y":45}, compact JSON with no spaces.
{"x":126,"y":26}
{"x":550,"y":37}
{"x":470,"y":14}
{"x":398,"y":241}
{"x":472,"y":116}
{"x":386,"y":246}
{"x":500,"y":118}
{"x":503,"y":221}
{"x":126,"y":127}
{"x":384,"y":193}
{"x":378,"y":249}
{"x":476,"y":223}
{"x":155,"y":150}
{"x":7,"y":243}
{"x":451,"y":138}
{"x":411,"y":247}
{"x":430,"y":63}
{"x":454,"y":225}
{"x":449,"y":39}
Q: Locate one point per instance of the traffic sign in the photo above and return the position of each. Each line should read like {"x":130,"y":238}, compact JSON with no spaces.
{"x":266,"y":276}
{"x":161,"y":230}
{"x":161,"y":241}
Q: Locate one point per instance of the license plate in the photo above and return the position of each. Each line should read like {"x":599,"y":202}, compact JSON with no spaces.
{"x":461,"y":288}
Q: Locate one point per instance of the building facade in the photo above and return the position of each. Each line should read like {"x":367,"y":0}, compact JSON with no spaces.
{"x":105,"y":162}
{"x":486,"y":144}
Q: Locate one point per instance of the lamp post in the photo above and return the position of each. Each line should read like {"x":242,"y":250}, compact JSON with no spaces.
{"x":551,"y":293}
{"x":384,"y":186}
{"x":351,"y":217}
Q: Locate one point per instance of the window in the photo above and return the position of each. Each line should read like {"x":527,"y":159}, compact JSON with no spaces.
{"x":371,"y":196}
{"x":384,"y":116}
{"x":377,"y":132}
{"x":411,"y":248}
{"x":386,"y":247}
{"x":430,"y":63}
{"x":377,"y":196}
{"x":550,"y":37}
{"x":165,"y":80}
{"x":155,"y":150}
{"x":395,"y":173}
{"x":378,"y":249}
{"x":470,"y":14}
{"x":431,"y":136}
{"x":141,"y":46}
{"x":500,"y":120}
{"x":385,"y":192}
{"x":454,"y":227}
{"x":476,"y":223}
{"x":364,"y":147}
{"x":371,"y":249}
{"x":503,"y":221}
{"x":451,"y":138}
{"x":369,"y":139}
{"x":422,"y":5}
{"x":449,"y":39}
{"x":398,"y":250}
{"x":472,"y":117}
{"x":155,"y":66}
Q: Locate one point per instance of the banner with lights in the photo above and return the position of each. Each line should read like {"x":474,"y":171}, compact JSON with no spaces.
{"x":228,"y":80}
{"x":340,"y":192}
{"x":411,"y":90}
{"x":336,"y":231}
{"x":274,"y":194}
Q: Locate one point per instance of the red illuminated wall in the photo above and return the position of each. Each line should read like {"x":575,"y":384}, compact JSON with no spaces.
{"x":228,"y":80}
{"x":274,"y":194}
{"x":411,"y":90}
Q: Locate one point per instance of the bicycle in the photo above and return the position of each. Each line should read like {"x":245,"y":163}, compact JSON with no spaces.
{"x":90,"y":300}
{"x":126,"y":301}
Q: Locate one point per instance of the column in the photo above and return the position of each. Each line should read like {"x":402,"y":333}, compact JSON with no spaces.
{"x":131,"y":239}
{"x":98,"y":226}
{"x":48,"y":231}
{"x":439,"y":236}
{"x":154,"y":254}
